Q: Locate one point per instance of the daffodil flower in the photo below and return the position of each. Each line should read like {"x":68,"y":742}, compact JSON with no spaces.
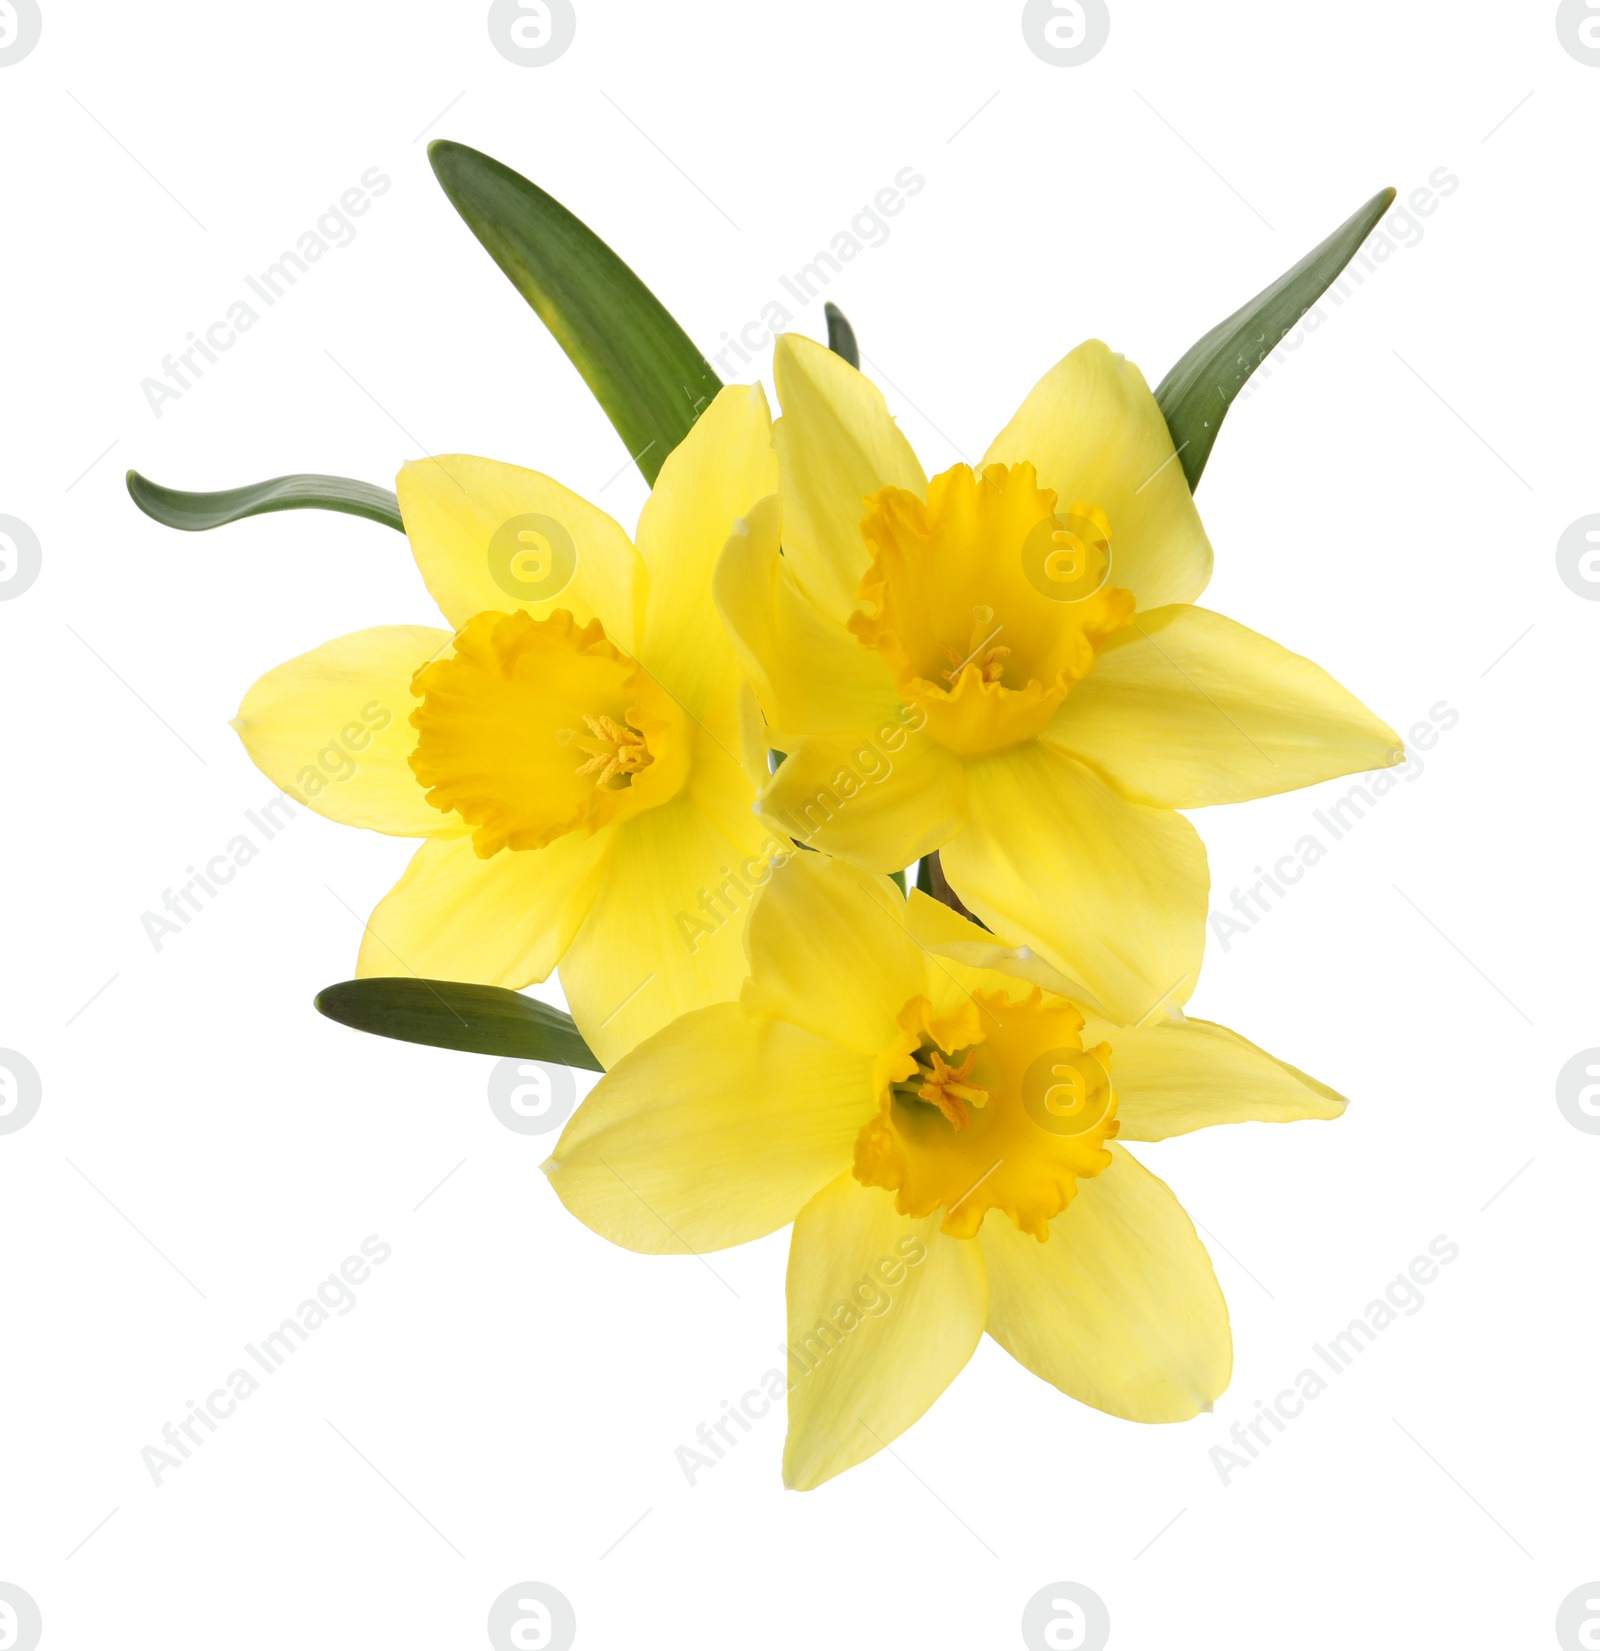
{"x":940,"y":1116}
{"x":1006,"y":665}
{"x":567,"y":751}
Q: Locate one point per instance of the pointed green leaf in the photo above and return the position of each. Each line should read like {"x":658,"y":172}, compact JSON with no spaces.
{"x":644,"y":371}
{"x":195,"y":512}
{"x":841,"y":335}
{"x":1196,"y":395}
{"x":452,"y":1014}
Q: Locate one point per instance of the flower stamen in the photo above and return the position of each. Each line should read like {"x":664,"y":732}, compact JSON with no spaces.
{"x":616,"y":749}
{"x":991,"y":668}
{"x":946,"y":1087}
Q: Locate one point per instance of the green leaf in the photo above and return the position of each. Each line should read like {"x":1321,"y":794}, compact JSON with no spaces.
{"x":841,"y":335}
{"x":196,"y":512}
{"x":451,"y":1014}
{"x":1196,"y":395}
{"x":644,"y":371}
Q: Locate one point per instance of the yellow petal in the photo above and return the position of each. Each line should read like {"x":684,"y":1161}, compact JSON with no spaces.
{"x":1093,"y":431}
{"x":333,"y":729}
{"x":829,"y":951}
{"x":1120,"y":1308}
{"x":1186,"y":708}
{"x":974,"y":954}
{"x":713,"y":1132}
{"x":1112,"y":893}
{"x":1171,"y":1076}
{"x":836,"y":444}
{"x":881,"y":799}
{"x":1176,"y":1076}
{"x":663,"y":936}
{"x":493,"y":536}
{"x":503,"y":921}
{"x":812,"y":675}
{"x":754,"y":740}
{"x":719,"y":777}
{"x":712,"y":479}
{"x":883,"y":1314}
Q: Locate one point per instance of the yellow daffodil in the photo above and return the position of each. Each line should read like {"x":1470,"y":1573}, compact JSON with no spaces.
{"x":1006,"y":665}
{"x":567,"y":750}
{"x":940,"y":1120}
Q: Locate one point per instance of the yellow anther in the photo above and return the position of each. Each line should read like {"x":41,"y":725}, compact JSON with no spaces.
{"x":945,"y":1087}
{"x":991,"y":668}
{"x":615,"y":749}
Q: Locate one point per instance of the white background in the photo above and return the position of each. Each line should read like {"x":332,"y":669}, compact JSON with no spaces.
{"x":521,"y":1386}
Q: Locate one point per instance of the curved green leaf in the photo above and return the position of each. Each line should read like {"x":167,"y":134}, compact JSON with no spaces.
{"x":1196,"y":395}
{"x":841,"y":335}
{"x":641,"y":365}
{"x":196,"y":512}
{"x":452,"y":1014}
